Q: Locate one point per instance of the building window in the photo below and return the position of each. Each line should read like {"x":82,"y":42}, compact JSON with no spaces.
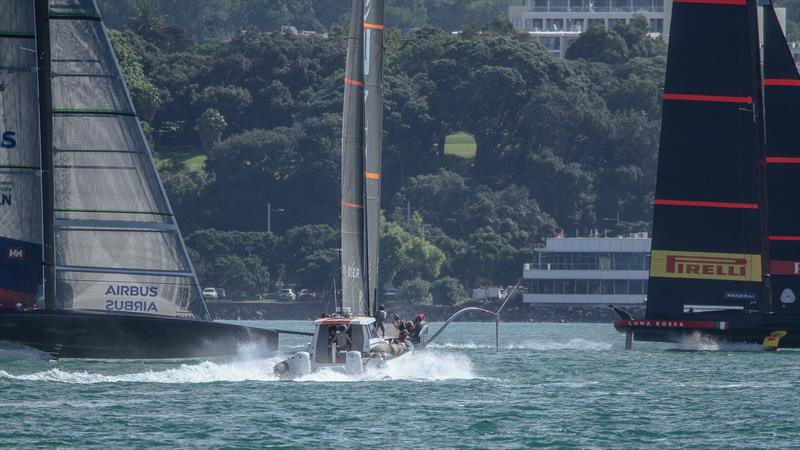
{"x":614,"y":22}
{"x":592,"y":22}
{"x":601,"y":6}
{"x":559,"y":5}
{"x":554,"y":25}
{"x":579,"y":5}
{"x":656,"y":25}
{"x":642,"y":5}
{"x":539,"y":6}
{"x":575,"y":25}
{"x":658,"y":5}
{"x":620,"y":287}
{"x":621,"y":5}
{"x":552,"y":44}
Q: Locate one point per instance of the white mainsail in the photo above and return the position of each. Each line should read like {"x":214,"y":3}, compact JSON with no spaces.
{"x":118,"y":247}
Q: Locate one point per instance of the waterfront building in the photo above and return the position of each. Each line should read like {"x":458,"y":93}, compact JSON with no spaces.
{"x":556,"y":24}
{"x":589,"y":271}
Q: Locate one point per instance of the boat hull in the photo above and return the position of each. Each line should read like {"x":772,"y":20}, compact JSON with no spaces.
{"x":752,"y":329}
{"x":69,"y":334}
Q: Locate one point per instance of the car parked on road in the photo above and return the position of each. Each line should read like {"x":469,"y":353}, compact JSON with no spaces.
{"x":286,"y":294}
{"x":307,"y":295}
{"x":210,"y":293}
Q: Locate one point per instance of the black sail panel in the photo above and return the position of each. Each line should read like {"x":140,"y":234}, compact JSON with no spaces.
{"x":781,"y":116}
{"x":707,"y":233}
{"x":353,"y":270}
{"x":373,"y":129}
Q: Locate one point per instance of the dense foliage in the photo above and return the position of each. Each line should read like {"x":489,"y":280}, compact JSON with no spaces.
{"x":561,"y":144}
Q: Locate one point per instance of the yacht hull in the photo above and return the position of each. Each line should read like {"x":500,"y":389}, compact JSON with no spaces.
{"x":754,"y":329}
{"x":69,"y":334}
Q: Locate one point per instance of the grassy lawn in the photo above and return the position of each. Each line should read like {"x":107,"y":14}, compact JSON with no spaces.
{"x":192,"y":160}
{"x":460,"y":144}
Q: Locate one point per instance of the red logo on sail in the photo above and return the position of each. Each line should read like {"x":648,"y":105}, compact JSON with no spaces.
{"x":784,"y":267}
{"x":707,"y":265}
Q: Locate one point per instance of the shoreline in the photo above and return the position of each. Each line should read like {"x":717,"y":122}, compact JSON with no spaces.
{"x":514,"y":312}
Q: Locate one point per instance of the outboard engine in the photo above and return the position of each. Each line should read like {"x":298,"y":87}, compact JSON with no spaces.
{"x":296,"y":366}
{"x":352,"y":363}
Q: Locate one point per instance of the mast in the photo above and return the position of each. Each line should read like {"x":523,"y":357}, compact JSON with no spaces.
{"x":373,"y":126}
{"x":46,"y":144}
{"x":707,"y":226}
{"x":352,"y":202}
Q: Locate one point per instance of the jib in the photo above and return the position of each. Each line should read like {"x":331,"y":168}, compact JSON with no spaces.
{"x":8,"y":139}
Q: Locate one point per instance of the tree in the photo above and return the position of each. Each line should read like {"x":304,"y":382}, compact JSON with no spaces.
{"x":599,"y":44}
{"x":447,"y":291}
{"x":242,"y":278}
{"x":210,"y":126}
{"x":416,"y":290}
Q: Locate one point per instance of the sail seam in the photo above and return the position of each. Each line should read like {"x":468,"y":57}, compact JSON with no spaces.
{"x":5,"y":166}
{"x":110,"y":112}
{"x":706,"y":204}
{"x":714,"y":2}
{"x":707,"y":98}
{"x":781,"y":82}
{"x":782,"y":160}
{"x":73,"y":16}
{"x":110,"y":270}
{"x":12,"y":35}
{"x":784,"y":238}
{"x":108,"y":211}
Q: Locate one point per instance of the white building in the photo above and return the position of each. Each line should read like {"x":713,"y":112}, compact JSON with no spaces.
{"x":589,"y":271}
{"x":558,"y":23}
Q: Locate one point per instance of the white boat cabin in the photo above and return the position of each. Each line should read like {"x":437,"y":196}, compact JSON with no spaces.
{"x":335,"y":336}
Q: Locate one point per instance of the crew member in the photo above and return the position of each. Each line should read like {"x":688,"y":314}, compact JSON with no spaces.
{"x":380,"y":317}
{"x":343,"y":341}
{"x":419,"y":324}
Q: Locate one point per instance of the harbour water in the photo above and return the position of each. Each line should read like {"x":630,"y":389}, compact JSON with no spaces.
{"x":551,"y":385}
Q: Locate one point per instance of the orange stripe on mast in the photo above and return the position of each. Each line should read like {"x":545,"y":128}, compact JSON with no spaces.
{"x":352,"y":205}
{"x":373,"y":26}
{"x":372,"y":175}
{"x":353,"y":82}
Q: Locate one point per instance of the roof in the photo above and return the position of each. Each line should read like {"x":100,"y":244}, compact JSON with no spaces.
{"x":352,"y":320}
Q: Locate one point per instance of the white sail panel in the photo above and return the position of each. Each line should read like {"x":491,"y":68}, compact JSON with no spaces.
{"x":131,"y":294}
{"x":113,"y":248}
{"x":114,"y":225}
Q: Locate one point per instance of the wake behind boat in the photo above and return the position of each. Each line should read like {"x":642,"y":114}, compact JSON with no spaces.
{"x":93,"y":262}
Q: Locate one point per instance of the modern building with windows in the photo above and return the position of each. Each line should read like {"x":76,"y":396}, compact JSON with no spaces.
{"x":558,"y":23}
{"x":589,"y":271}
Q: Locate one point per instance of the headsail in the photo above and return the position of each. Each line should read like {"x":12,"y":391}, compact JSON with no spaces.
{"x":373,"y":124}
{"x":20,"y":167}
{"x":707,"y":227}
{"x":118,"y":247}
{"x":353,"y":237}
{"x":781,"y":116}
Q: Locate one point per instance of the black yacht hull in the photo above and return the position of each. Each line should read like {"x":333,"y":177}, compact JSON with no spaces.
{"x":750,"y":329}
{"x":68,"y":334}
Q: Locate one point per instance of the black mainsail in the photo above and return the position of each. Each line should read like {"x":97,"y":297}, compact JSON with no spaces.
{"x":718,"y":209}
{"x":362,"y":129}
{"x":95,"y":265}
{"x":782,"y":114}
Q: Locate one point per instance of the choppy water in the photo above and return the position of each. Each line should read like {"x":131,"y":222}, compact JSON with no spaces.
{"x":551,"y":385}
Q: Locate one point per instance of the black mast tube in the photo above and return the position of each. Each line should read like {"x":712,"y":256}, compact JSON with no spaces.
{"x":46,"y":138}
